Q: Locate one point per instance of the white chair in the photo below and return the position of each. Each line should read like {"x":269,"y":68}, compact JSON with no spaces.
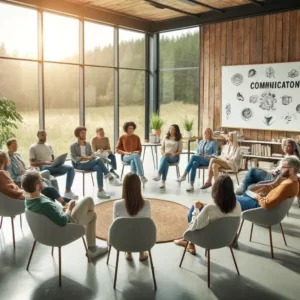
{"x":50,"y":234}
{"x":217,"y":234}
{"x":268,"y":217}
{"x":10,"y":208}
{"x":177,"y":167}
{"x":125,"y":164}
{"x":132,"y":235}
{"x":83,"y":172}
{"x":229,"y":171}
{"x":203,"y":168}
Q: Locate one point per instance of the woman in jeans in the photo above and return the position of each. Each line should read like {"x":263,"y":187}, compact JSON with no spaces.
{"x":207,"y":149}
{"x":171,"y":149}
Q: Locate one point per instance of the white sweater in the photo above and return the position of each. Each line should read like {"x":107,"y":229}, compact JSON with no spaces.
{"x":231,"y":156}
{"x":210,"y":213}
{"x":121,"y":211}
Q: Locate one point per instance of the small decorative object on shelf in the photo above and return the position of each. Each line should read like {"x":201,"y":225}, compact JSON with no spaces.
{"x":188,"y":126}
{"x":156,"y":123}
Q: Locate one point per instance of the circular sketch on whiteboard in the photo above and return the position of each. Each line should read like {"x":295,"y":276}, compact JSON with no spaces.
{"x":247,"y":114}
{"x":298,"y":108}
{"x":237,"y":79}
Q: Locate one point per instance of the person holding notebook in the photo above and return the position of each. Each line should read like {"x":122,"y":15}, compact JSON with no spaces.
{"x":41,"y":155}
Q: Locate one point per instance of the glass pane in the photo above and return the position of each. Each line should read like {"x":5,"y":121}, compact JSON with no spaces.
{"x":19,"y":83}
{"x":61,"y":38}
{"x":132,"y":100}
{"x":98,"y":44}
{"x":99,"y":101}
{"x":61,"y":105}
{"x":179,"y":97}
{"x":132,"y":49}
{"x":18,"y":34}
{"x":179,"y":48}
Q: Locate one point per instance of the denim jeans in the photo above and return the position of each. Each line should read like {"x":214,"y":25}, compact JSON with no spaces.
{"x":113,"y":163}
{"x":254,"y":176}
{"x":195,"y":162}
{"x":247,"y":202}
{"x":164,"y":165}
{"x":49,"y":179}
{"x":190,"y":215}
{"x":135,"y":163}
{"x":61,"y":170}
{"x":51,"y":193}
{"x":96,"y":164}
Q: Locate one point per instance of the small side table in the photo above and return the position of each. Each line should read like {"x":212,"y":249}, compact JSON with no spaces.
{"x":151,"y":145}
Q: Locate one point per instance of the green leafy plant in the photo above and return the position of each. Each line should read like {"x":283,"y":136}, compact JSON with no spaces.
{"x":188,"y":124}
{"x":155,"y":121}
{"x":9,"y":117}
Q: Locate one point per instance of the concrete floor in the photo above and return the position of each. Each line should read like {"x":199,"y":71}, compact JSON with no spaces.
{"x":261,"y":277}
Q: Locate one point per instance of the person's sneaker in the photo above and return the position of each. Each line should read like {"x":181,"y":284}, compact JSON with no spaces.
{"x":71,"y":195}
{"x":128,"y":255}
{"x":143,"y":256}
{"x":115,"y":182}
{"x":115,"y":173}
{"x":144,"y":179}
{"x":181,"y":178}
{"x":156,"y":178}
{"x":98,"y":250}
{"x":239,"y":190}
{"x":163,"y":186}
{"x":102,"y":194}
{"x":190,"y":188}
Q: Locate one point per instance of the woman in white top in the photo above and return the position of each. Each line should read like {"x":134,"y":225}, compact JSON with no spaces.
{"x":225,"y":205}
{"x":230,"y":158}
{"x":171,"y":149}
{"x":132,"y":205}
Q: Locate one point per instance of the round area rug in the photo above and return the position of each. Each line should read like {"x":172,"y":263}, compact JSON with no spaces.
{"x":169,"y":217}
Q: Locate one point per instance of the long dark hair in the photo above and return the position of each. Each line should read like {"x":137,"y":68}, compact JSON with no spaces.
{"x":223,"y":193}
{"x":132,"y":194}
{"x":177,"y":133}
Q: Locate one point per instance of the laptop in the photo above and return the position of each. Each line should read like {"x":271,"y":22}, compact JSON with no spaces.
{"x":59,"y":160}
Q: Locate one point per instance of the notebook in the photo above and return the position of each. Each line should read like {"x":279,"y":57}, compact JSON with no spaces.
{"x":59,"y":160}
{"x":250,"y":193}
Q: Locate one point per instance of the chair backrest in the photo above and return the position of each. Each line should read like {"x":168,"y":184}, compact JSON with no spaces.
{"x":48,"y":233}
{"x":11,"y":207}
{"x":269,"y":217}
{"x":132,"y":234}
{"x":218,"y":234}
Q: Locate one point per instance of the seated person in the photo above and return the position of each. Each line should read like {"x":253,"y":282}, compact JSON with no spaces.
{"x":171,"y":149}
{"x":12,"y":190}
{"x":130,"y":147}
{"x":41,"y":155}
{"x":207,"y":149}
{"x":255,"y":175}
{"x":201,"y":214}
{"x":81,"y":213}
{"x":100,"y":144}
{"x":132,"y":205}
{"x":270,"y":195}
{"x":230,"y":159}
{"x":17,"y":166}
{"x":83,"y":159}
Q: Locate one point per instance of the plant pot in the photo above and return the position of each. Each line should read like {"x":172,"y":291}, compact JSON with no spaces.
{"x":187,"y":134}
{"x":156,"y":131}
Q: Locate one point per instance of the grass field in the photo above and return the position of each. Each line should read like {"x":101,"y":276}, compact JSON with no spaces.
{"x":60,"y":123}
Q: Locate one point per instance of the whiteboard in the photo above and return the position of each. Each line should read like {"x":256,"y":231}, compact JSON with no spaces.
{"x":265,"y":96}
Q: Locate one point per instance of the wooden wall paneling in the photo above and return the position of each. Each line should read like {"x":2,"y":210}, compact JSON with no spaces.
{"x":235,"y":42}
{"x":272,"y":33}
{"x":201,"y":80}
{"x":279,"y":55}
{"x":293,"y":35}
{"x":285,"y":36}
{"x":241,"y":42}
{"x":212,"y":87}
{"x":206,"y":75}
{"x":229,"y":44}
{"x":218,"y":78}
{"x":298,"y":36}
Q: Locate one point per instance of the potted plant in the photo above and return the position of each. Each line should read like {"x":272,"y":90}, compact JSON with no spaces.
{"x":188,"y":125}
{"x":156,"y":123}
{"x":8,"y":119}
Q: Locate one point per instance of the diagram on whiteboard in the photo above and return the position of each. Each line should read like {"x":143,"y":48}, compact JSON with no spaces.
{"x":265,"y":96}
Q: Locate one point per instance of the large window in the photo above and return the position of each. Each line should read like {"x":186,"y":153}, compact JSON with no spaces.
{"x":179,"y":77}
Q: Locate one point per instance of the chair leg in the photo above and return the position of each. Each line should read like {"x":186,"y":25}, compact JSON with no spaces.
{"x":283,"y":234}
{"x":116,"y":270}
{"x":21,"y":221}
{"x":203,"y":174}
{"x":92,"y":179}
{"x":271,"y":242}
{"x":13,"y":232}
{"x":108,"y":255}
{"x":52,"y":251}
{"x":83,"y":192}
{"x":122,"y":172}
{"x":183,"y":254}
{"x":59,"y":266}
{"x":29,"y":260}
{"x":86,"y":249}
{"x":237,"y":179}
{"x":241,"y":226}
{"x":208,"y":268}
{"x":152,"y":269}
{"x":237,"y":269}
{"x":177,"y":171}
{"x":1,"y":222}
{"x":251,"y":232}
{"x":205,"y":252}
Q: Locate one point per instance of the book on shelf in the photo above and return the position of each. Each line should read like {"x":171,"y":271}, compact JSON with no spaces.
{"x":277,"y":155}
{"x":261,"y":150}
